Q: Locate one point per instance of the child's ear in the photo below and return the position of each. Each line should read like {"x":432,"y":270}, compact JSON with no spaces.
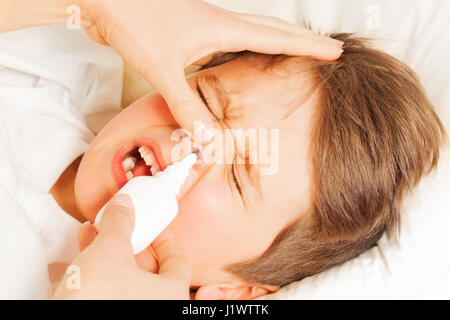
{"x":233,"y":292}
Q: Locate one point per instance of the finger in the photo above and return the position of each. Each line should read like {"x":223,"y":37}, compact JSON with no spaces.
{"x":146,"y":260}
{"x":186,"y":107}
{"x":268,"y":40}
{"x":86,"y":234}
{"x":204,"y":60}
{"x":275,"y":22}
{"x":118,"y":218}
{"x":93,"y":33}
{"x":171,"y":257}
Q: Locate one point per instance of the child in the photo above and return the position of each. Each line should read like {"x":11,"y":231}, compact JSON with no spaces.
{"x":355,"y":135}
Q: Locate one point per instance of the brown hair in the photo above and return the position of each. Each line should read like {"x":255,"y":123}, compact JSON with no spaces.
{"x":375,"y":135}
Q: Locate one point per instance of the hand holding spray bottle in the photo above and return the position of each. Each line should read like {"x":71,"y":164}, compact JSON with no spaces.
{"x":155,"y":202}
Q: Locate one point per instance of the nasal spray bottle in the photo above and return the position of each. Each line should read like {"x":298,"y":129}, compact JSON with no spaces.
{"x":155,"y":202}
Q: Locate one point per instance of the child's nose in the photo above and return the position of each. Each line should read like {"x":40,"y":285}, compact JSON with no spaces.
{"x":195,"y":175}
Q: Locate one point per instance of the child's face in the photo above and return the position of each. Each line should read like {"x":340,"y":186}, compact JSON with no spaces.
{"x":216,"y":225}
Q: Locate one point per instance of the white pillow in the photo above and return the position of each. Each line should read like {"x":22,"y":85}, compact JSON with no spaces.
{"x":417,"y":263}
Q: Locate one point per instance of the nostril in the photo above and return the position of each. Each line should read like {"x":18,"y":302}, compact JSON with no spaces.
{"x":197,"y":152}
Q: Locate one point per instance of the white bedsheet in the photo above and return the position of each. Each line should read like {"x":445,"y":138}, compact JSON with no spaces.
{"x":57,"y":88}
{"x":79,"y":82}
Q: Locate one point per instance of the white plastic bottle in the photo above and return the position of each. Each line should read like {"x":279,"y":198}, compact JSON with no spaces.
{"x":155,"y":202}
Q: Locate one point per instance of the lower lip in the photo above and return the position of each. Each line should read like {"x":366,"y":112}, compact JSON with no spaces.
{"x":119,"y":173}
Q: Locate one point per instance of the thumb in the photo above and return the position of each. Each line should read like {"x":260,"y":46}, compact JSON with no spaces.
{"x":86,"y":235}
{"x":118,"y":218}
{"x":172,"y":259}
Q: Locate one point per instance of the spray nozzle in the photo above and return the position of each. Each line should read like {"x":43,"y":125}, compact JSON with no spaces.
{"x":177,"y":173}
{"x":197,"y":152}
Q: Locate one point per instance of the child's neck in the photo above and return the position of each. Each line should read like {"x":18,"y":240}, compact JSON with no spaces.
{"x":63,"y":191}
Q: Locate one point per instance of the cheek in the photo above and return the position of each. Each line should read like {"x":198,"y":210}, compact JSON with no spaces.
{"x":94,"y":183}
{"x":210,"y":225}
{"x":200,"y":217}
{"x":148,"y":111}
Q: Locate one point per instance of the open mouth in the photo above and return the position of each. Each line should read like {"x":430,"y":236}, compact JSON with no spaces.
{"x":139,"y":162}
{"x":141,"y":158}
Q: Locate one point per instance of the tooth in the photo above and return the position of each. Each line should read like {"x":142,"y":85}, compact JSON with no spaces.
{"x":143,"y":151}
{"x":129,"y":175}
{"x":153,"y":170}
{"x":147,"y":156}
{"x":149,"y":159}
{"x":128,"y":163}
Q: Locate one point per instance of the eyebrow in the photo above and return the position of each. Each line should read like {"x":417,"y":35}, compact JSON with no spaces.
{"x":211,"y":81}
{"x":222,"y":95}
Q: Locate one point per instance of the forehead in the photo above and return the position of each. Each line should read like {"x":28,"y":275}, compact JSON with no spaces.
{"x":258,"y":95}
{"x":271,"y":101}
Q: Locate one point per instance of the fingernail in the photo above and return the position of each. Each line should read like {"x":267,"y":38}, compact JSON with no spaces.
{"x":339,"y":42}
{"x":207,"y":130}
{"x":202,"y":133}
{"x":340,"y":51}
{"x":209,"y":135}
{"x":123,"y":200}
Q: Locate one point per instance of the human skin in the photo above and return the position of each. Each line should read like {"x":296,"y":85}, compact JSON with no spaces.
{"x":108,"y":267}
{"x":122,"y":25}
{"x":162,"y":57}
{"x":213,"y":219}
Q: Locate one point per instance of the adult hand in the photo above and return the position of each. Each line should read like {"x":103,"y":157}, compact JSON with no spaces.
{"x":160,"y":38}
{"x":108,"y":269}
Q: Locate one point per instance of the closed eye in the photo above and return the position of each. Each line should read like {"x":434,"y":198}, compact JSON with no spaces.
{"x":204,"y":98}
{"x":233,"y":170}
{"x":236,"y":180}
